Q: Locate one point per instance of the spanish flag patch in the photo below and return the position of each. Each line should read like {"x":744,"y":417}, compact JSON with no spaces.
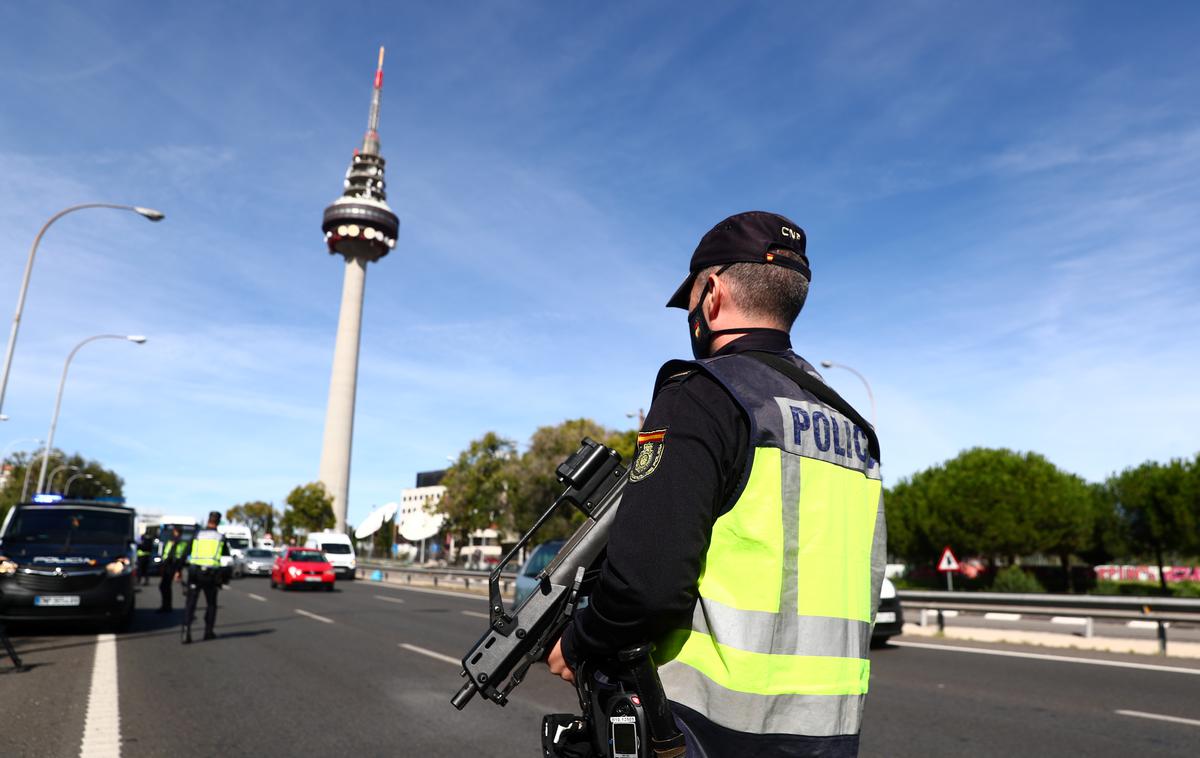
{"x":648,"y":454}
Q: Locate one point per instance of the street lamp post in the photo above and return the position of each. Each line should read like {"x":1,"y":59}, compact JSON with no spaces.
{"x":134,"y":338}
{"x":55,"y":472}
{"x":149,"y":213}
{"x":870,"y":395}
{"x":14,"y":443}
{"x":67,"y":489}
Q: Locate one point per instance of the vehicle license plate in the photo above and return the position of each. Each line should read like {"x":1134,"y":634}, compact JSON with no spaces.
{"x":312,"y":578}
{"x":887,"y":617}
{"x":56,"y":600}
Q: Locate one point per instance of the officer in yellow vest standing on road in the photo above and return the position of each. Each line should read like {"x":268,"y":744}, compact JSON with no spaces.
{"x":171,"y":554}
{"x":204,"y":572}
{"x":750,"y":543}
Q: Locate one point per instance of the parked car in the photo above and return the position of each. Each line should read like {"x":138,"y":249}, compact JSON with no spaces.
{"x":68,"y":560}
{"x":304,"y":567}
{"x":338,"y":550}
{"x":258,"y":561}
{"x":889,"y":620}
{"x":539,"y":559}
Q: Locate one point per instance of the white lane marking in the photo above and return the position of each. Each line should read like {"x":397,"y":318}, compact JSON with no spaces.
{"x":314,"y":616}
{"x":476,"y":614}
{"x":1159,"y":717}
{"x":1003,"y":616}
{"x":1073,"y":620}
{"x":1045,"y":657}
{"x":387,"y":599}
{"x":950,"y":614}
{"x":430,"y":653}
{"x":1146,"y":624}
{"x":260,"y":598}
{"x":102,"y":726}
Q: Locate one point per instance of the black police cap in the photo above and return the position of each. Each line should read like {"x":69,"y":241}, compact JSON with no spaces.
{"x":214,"y":516}
{"x":745,"y":238}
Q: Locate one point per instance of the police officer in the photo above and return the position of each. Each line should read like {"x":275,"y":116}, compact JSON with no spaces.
{"x":204,"y":573}
{"x":749,"y":546}
{"x":173,"y":550}
{"x":145,"y":550}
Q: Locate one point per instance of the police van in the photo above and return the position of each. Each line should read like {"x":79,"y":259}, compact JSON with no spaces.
{"x":338,"y":549}
{"x":67,"y":560}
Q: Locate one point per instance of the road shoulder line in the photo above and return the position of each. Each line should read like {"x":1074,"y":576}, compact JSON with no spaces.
{"x":102,"y":725}
{"x":1047,"y":657}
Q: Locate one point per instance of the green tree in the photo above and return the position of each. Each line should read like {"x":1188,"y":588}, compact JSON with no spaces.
{"x":383,"y":538}
{"x":310,"y":509}
{"x":990,"y":502}
{"x":257,"y":515}
{"x":1154,"y":501}
{"x":95,"y":481}
{"x":477,"y":486}
{"x":533,"y":476}
{"x":1109,"y":537}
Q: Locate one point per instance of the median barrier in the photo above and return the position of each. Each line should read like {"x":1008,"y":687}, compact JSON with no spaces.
{"x":1161,"y":611}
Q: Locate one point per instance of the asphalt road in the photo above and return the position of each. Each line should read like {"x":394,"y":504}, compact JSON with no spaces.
{"x":369,"y":670}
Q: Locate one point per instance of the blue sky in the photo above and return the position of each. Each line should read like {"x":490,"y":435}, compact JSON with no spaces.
{"x":1000,"y":199}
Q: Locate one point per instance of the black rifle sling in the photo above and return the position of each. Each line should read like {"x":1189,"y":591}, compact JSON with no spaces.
{"x":822,"y":391}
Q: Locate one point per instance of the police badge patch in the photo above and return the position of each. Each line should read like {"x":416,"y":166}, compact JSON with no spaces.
{"x":648,"y":454}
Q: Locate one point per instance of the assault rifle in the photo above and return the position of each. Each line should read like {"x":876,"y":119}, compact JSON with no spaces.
{"x":623,"y":711}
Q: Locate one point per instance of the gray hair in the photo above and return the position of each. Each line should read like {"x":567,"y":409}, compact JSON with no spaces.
{"x":761,"y":290}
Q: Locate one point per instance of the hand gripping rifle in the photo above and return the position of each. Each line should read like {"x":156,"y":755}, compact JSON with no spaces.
{"x":624,"y":713}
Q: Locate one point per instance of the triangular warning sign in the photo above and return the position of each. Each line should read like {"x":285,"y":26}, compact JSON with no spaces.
{"x":948,"y":561}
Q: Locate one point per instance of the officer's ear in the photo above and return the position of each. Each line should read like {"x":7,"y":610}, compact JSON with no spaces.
{"x":718,"y":298}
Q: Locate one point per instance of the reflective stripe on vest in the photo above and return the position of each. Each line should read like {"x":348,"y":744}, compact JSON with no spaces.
{"x":206,"y":551}
{"x":781,"y":630}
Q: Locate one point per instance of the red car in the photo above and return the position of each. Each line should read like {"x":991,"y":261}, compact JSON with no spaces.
{"x":302,"y":566}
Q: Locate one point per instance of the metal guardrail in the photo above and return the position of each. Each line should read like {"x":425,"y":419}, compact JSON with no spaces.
{"x":1162,"y":611}
{"x":438,"y":577}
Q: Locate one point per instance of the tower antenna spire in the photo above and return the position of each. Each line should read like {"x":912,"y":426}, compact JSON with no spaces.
{"x":371,"y":140}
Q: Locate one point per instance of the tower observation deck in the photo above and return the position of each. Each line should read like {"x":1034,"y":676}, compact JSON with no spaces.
{"x":361,"y":227}
{"x":359,"y":223}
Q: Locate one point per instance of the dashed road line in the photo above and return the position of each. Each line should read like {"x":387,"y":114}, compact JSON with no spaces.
{"x":1072,"y":620}
{"x":102,"y":726}
{"x":476,"y":614}
{"x":1047,"y":657}
{"x":314,"y":616}
{"x":430,"y":653}
{"x":997,"y":616}
{"x":387,"y":599}
{"x":1159,"y":717}
{"x":259,"y":598}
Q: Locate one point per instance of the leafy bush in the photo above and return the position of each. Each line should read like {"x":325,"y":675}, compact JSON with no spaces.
{"x":1150,"y":589}
{"x":1015,"y":579}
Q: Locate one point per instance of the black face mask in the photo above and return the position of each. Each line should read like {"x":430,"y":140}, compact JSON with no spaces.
{"x":699,"y":330}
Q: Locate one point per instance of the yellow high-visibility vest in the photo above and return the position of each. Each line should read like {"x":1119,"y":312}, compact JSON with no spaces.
{"x":779,"y":638}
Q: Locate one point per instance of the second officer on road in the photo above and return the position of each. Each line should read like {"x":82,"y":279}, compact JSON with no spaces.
{"x":204,"y":573}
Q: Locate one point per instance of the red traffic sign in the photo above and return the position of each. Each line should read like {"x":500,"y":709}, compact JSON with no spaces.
{"x":948,"y":562}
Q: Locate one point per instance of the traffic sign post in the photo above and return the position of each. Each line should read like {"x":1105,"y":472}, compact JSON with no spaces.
{"x":948,"y":565}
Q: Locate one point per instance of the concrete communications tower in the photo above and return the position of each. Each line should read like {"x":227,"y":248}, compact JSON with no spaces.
{"x":360,"y":226}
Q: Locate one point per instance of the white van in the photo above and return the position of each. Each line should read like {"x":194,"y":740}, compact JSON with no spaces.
{"x":338,"y":549}
{"x":240,"y":539}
